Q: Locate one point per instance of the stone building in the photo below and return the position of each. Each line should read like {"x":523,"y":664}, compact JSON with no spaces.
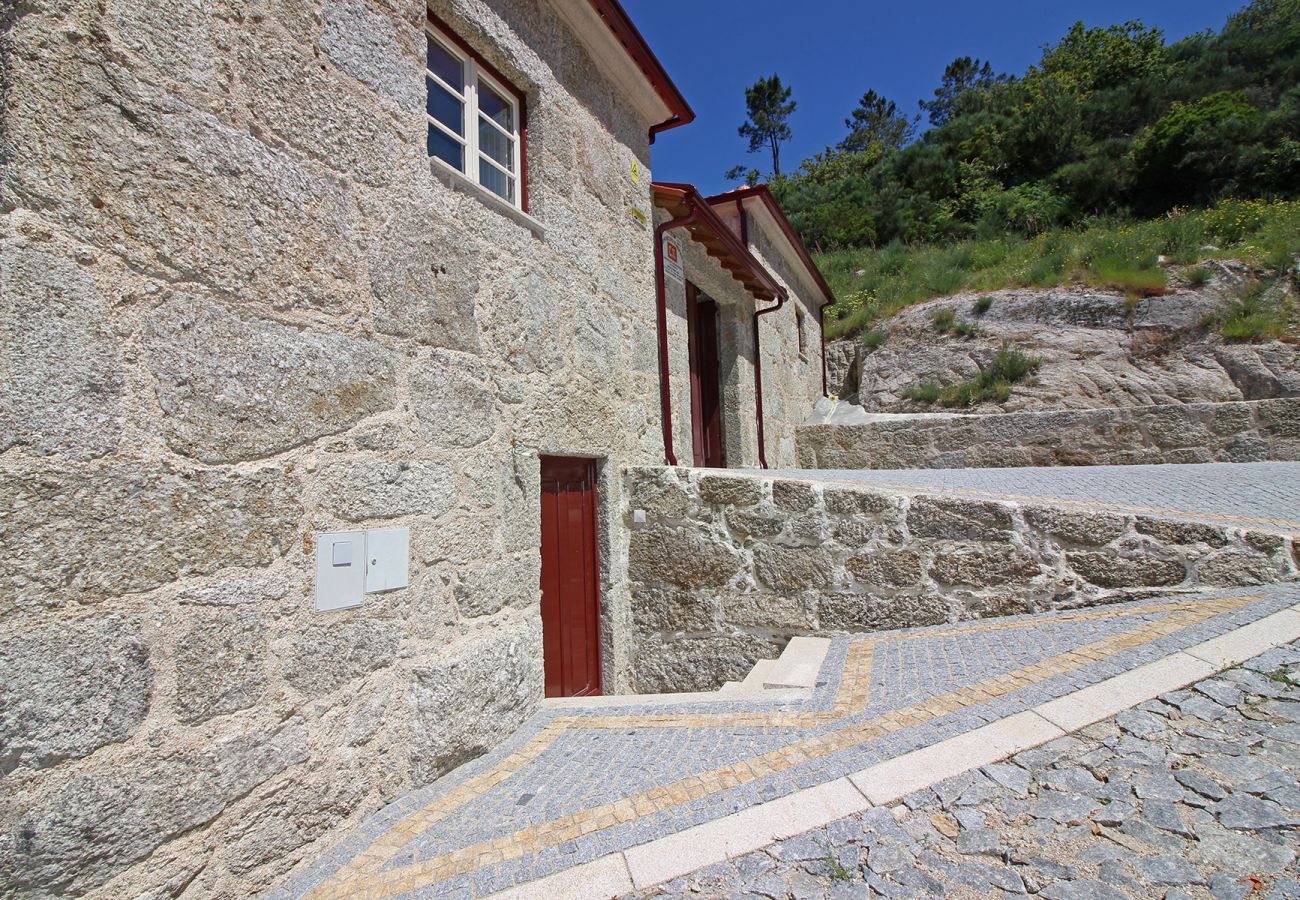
{"x":324,"y":321}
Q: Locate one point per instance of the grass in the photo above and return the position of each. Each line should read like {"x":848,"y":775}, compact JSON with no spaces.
{"x":1121,"y":255}
{"x":983,"y":305}
{"x":1008,"y":367}
{"x":1256,"y":313}
{"x":874,"y":339}
{"x":945,"y":321}
{"x":1200,"y":276}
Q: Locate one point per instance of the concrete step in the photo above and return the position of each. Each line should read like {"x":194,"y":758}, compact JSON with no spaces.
{"x":732,"y":689}
{"x":798,"y":665}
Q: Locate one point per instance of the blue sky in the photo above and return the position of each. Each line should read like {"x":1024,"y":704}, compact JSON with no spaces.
{"x":832,"y":51}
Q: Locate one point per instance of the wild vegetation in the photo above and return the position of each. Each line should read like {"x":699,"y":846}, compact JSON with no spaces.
{"x":1116,"y":148}
{"x":1008,"y":366}
{"x":873,"y":284}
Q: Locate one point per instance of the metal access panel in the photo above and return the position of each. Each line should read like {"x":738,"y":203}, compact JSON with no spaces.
{"x":340,"y":569}
{"x":388,"y":553}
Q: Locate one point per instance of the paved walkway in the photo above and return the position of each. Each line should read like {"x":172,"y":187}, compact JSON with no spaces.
{"x":1265,"y":494}
{"x":1191,"y":795}
{"x":645,"y":793}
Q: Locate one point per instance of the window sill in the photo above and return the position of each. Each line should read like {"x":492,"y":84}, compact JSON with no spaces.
{"x":459,"y":181}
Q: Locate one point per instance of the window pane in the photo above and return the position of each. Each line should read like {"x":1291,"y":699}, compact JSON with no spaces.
{"x":445,"y":147}
{"x":444,"y":107}
{"x":444,"y":65}
{"x":496,"y":145}
{"x":496,"y":181}
{"x":495,"y":107}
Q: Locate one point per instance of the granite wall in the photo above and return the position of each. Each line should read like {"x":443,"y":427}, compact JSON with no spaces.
{"x":239,"y":309}
{"x":725,"y":568}
{"x":1244,"y":431}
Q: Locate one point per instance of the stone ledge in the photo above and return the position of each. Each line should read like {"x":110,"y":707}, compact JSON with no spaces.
{"x":1241,"y":431}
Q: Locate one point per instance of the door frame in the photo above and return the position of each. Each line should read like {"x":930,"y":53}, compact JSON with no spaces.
{"x":698,"y":356}
{"x":591,"y":539}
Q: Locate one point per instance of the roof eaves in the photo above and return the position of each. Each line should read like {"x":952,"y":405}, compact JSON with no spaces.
{"x":627,"y":34}
{"x":764,"y":193}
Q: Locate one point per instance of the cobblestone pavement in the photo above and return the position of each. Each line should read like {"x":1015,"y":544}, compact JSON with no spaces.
{"x":1265,"y":493}
{"x":1192,"y":795}
{"x":577,"y":784}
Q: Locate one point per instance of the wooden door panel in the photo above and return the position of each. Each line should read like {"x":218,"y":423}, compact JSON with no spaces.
{"x":570,"y":578}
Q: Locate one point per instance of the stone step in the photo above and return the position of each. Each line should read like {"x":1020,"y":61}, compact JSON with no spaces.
{"x":798,"y":665}
{"x":732,"y":689}
{"x":762,"y":668}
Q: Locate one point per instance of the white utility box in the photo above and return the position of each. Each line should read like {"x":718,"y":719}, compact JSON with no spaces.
{"x":340,"y":569}
{"x":388,"y":553}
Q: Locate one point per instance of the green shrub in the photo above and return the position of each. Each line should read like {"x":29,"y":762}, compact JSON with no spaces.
{"x":1011,"y":365}
{"x":1200,"y":276}
{"x":923,"y":392}
{"x":1252,"y":315}
{"x":966,"y":329}
{"x":874,"y":339}
{"x":982,"y":305}
{"x":943,"y":320}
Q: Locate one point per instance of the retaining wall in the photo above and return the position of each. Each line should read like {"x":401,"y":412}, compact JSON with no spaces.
{"x":1247,"y":431}
{"x":725,"y":568}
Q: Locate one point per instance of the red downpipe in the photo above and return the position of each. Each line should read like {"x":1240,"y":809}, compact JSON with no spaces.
{"x":758,"y":377}
{"x":661,"y":318}
{"x":821,"y":314}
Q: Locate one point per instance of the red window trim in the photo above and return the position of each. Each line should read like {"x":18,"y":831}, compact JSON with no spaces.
{"x":520,"y":96}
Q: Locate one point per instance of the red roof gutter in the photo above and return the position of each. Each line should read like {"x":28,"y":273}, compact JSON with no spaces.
{"x":613,"y":14}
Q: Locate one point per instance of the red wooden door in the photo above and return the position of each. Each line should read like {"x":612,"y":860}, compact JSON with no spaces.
{"x":706,"y":393}
{"x":570,"y":578}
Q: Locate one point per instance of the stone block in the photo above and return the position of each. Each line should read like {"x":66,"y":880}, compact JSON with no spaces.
{"x":849,"y":502}
{"x":1236,"y":568}
{"x":752,"y":523}
{"x":234,"y":389}
{"x":680,"y":556}
{"x":721,"y":490}
{"x":954,"y":519}
{"x":697,"y":663}
{"x":62,"y":368}
{"x":501,"y":583}
{"x":998,"y":603}
{"x":793,"y":569}
{"x":1281,"y":418}
{"x":220,"y":664}
{"x":356,"y":490}
{"x":774,"y":612}
{"x":1114,"y":571}
{"x":423,"y":279}
{"x":500,"y":669}
{"x":858,"y":531}
{"x":666,"y":609}
{"x":877,"y":612}
{"x":793,"y":496}
{"x":1172,"y":532}
{"x":1085,"y":529}
{"x":96,"y":825}
{"x":362,"y":41}
{"x":88,"y":534}
{"x":660,"y":498}
{"x":324,"y":656}
{"x":983,"y":566}
{"x":454,"y":400}
{"x":69,"y":689}
{"x":900,"y":568}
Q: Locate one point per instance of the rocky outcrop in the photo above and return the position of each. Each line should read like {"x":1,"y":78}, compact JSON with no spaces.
{"x":1098,"y":349}
{"x":1249,"y":431}
{"x":725,"y":569}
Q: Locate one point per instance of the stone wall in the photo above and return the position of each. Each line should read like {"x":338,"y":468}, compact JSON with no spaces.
{"x":1245,"y":431}
{"x":239,"y":309}
{"x":725,"y":568}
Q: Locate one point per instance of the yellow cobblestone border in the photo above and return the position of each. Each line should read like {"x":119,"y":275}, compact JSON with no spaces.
{"x":364,"y":875}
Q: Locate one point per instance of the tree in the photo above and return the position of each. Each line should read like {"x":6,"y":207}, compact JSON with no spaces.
{"x":962,"y":75}
{"x":769,"y":106}
{"x":877,"y":121}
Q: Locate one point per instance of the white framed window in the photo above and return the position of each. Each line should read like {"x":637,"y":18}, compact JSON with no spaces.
{"x":474,"y":120}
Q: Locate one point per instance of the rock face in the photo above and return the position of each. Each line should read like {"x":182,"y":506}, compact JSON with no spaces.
{"x":1098,"y":351}
{"x":716,"y":587}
